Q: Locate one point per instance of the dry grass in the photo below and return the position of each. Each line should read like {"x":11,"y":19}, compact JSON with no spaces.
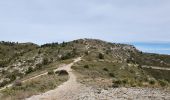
{"x":36,"y":86}
{"x":46,"y":68}
{"x":102,"y":72}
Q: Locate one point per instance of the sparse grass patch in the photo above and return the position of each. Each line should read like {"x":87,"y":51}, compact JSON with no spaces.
{"x":128,"y":76}
{"x":159,"y":74}
{"x":163,"y":83}
{"x":50,"y":72}
{"x":86,"y":66}
{"x":38,"y":85}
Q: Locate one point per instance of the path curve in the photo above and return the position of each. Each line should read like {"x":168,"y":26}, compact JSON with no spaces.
{"x":34,"y":77}
{"x":64,"y":91}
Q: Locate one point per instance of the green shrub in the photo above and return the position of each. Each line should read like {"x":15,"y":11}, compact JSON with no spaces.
{"x":67,"y":56}
{"x":61,"y":72}
{"x":101,"y":56}
{"x":74,"y":51}
{"x":4,"y":71}
{"x":116,"y":83}
{"x":5,"y":82}
{"x":39,"y":51}
{"x":17,"y":73}
{"x":107,"y":52}
{"x":152,"y":81}
{"x":38,"y":66}
{"x":11,"y":76}
{"x":86,"y":66}
{"x":50,"y":72}
{"x":111,"y":74}
{"x":63,"y":44}
{"x":4,"y":63}
{"x":105,"y":69}
{"x":163,"y":83}
{"x":86,"y":53}
{"x":124,"y":81}
{"x":45,"y":61}
{"x":29,"y":70}
{"x":120,"y":82}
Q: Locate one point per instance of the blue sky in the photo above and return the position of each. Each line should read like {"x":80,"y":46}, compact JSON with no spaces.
{"x":42,"y":21}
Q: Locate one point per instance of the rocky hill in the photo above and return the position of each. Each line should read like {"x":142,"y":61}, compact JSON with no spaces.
{"x":103,"y":64}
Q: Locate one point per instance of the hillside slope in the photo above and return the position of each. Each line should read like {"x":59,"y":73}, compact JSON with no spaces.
{"x":23,"y":58}
{"x":101,"y":59}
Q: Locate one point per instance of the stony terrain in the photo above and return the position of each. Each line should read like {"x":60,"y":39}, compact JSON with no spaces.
{"x":91,"y":93}
{"x":81,"y":92}
{"x":105,"y":71}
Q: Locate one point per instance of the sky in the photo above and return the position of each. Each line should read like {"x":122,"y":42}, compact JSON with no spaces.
{"x":42,"y":21}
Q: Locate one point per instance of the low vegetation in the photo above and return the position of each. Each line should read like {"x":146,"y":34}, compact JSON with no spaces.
{"x":61,"y":72}
{"x":102,"y":62}
{"x":39,"y":85}
{"x":50,"y":72}
{"x":121,"y":67}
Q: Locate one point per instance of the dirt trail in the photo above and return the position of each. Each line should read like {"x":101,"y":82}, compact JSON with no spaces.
{"x":156,"y":67}
{"x":64,"y":91}
{"x":10,"y":85}
{"x":72,"y":90}
{"x":61,"y":67}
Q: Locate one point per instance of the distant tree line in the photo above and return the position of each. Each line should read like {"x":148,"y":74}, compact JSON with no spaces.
{"x":50,"y":44}
{"x":63,"y":44}
{"x":8,"y":43}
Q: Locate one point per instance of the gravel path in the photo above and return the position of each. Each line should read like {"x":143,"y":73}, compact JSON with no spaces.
{"x":122,"y":94}
{"x":72,"y":90}
{"x":64,"y":91}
